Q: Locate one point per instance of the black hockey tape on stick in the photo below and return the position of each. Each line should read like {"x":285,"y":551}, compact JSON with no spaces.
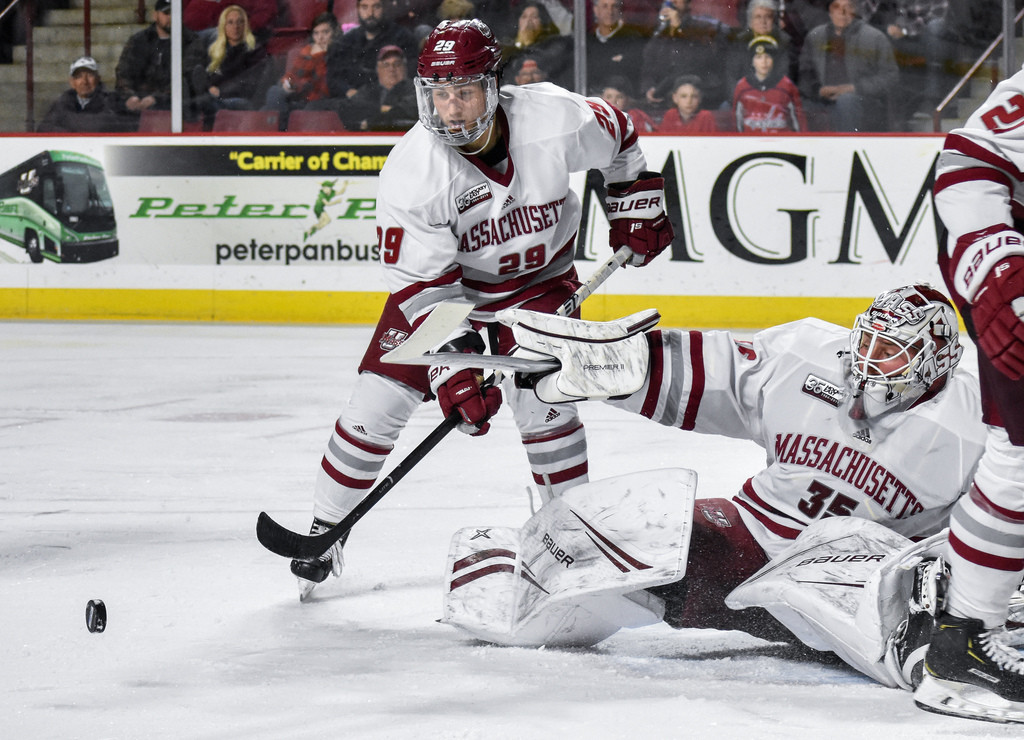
{"x":286,"y":543}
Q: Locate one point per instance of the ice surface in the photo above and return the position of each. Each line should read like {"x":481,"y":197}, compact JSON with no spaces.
{"x":135,"y":459}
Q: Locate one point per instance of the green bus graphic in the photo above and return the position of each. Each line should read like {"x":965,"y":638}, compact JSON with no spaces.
{"x":57,"y":205}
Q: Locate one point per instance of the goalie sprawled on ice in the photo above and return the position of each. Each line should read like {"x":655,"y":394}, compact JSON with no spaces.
{"x":870,"y":438}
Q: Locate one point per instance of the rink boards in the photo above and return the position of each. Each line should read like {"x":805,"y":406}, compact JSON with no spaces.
{"x":768,"y":229}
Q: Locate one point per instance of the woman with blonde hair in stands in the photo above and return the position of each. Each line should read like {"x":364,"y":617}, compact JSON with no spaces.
{"x":231,"y":71}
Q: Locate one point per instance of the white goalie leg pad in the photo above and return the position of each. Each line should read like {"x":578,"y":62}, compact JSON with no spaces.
{"x":598,"y":359}
{"x":844,"y":586}
{"x":574,"y":573}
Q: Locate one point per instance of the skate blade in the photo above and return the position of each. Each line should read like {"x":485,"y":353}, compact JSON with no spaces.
{"x":956,"y":699}
{"x":305,"y":589}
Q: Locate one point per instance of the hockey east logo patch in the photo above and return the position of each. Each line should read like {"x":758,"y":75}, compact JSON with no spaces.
{"x":476,"y":194}
{"x":823,"y":390}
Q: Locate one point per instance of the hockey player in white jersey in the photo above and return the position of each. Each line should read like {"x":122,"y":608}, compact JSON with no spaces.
{"x":870,"y":438}
{"x":474,"y":205}
{"x":973,"y":670}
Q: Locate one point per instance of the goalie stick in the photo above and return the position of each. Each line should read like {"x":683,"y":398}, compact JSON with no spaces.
{"x":284,"y":542}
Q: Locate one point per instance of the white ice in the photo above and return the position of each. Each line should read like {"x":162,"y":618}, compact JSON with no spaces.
{"x":135,"y":460}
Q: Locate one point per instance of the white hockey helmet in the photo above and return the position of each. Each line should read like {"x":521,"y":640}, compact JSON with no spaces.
{"x":456,"y":56}
{"x":904,"y":346}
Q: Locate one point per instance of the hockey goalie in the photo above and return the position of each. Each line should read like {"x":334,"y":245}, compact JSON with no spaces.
{"x":870,"y":436}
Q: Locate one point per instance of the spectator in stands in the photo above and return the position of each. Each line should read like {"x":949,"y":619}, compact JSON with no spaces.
{"x":799,"y":17}
{"x":386,"y":104}
{"x":232,"y":70}
{"x":352,"y":58}
{"x":687,"y":45}
{"x":847,"y":71}
{"x":537,"y":36}
{"x":528,"y":71}
{"x":409,"y":13}
{"x":305,"y":78}
{"x":959,"y":38}
{"x":762,"y":20}
{"x":614,"y":48}
{"x":909,"y":25}
{"x":766,"y":101}
{"x":204,"y":15}
{"x":86,"y":107}
{"x":144,"y":68}
{"x":687,"y":117}
{"x":448,"y":10}
{"x":618,"y":92}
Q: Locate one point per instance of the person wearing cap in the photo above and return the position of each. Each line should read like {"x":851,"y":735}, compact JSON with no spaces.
{"x":86,"y":107}
{"x":388,"y":103}
{"x":529,"y":71}
{"x":144,"y":68}
{"x":766,"y":101}
{"x":352,"y":58}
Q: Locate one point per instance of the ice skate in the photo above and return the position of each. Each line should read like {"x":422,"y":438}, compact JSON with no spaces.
{"x":909,"y":642}
{"x":972,"y":672}
{"x":312,"y":572}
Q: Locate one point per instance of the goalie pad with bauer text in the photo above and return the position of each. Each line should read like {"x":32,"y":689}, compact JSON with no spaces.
{"x":574,"y":574}
{"x":843,"y":585}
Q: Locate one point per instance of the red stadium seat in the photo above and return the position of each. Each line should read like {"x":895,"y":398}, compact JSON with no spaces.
{"x":159,"y":121}
{"x":245,"y":120}
{"x":314,"y":121}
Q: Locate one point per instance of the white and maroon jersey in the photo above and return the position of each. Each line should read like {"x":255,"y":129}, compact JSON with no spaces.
{"x":451,"y":227}
{"x":784,"y":391}
{"x":979,"y":184}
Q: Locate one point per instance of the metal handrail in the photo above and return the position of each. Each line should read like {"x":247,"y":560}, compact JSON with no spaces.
{"x":937,"y":113}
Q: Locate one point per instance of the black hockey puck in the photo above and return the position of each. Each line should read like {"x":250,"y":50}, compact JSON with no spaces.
{"x":96,"y":616}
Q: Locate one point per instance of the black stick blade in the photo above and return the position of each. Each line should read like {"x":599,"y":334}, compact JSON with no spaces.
{"x":286,"y":543}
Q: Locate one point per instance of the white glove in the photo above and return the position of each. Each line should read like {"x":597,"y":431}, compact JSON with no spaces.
{"x":598,"y":359}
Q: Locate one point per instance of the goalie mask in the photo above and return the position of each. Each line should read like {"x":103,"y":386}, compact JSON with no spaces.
{"x":904,"y":346}
{"x":456,"y":81}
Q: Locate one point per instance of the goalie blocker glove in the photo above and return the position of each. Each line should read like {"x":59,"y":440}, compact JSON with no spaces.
{"x":636,"y":214}
{"x":462,"y":389}
{"x":598,"y":359}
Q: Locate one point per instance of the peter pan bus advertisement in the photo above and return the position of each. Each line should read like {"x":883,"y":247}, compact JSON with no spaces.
{"x":754,"y":216}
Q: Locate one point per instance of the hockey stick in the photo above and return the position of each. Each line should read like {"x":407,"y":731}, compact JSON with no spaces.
{"x":282,"y":541}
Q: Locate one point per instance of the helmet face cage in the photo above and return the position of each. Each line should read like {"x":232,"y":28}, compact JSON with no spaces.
{"x":465,"y":132}
{"x":904,"y":345}
{"x":455,"y":55}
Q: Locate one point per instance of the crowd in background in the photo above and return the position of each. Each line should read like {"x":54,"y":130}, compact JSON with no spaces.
{"x":679,"y":66}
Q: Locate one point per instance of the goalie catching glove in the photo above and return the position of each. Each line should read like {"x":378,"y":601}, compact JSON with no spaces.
{"x":598,"y":359}
{"x":636,"y":214}
{"x":463,"y":390}
{"x":990,"y":274}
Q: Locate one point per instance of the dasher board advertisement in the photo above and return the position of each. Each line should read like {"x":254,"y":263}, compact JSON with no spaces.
{"x":755,"y":217}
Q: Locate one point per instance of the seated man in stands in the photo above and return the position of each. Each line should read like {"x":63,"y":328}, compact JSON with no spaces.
{"x":848,"y":71}
{"x":386,"y":104}
{"x":86,"y":107}
{"x":144,"y":69}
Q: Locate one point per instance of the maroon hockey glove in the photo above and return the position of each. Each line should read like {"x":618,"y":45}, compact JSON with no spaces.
{"x":462,"y":393}
{"x":998,"y":314}
{"x":636,"y":213}
{"x":460,"y":390}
